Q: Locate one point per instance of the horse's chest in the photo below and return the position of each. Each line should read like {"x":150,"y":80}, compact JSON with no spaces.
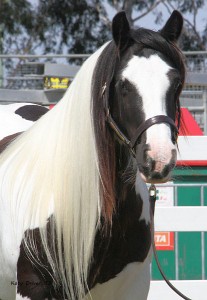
{"x":128,"y":241}
{"x":118,"y":255}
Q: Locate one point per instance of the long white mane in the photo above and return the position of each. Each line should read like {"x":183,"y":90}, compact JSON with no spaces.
{"x":53,"y":168}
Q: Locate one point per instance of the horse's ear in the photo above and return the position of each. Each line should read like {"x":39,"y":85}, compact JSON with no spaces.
{"x":173,"y":27}
{"x":121,"y":30}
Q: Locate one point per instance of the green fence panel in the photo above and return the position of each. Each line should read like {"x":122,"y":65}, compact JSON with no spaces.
{"x":189,"y":244}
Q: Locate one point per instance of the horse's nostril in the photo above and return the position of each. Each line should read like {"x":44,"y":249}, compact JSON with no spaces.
{"x":142,"y":154}
{"x":146,"y":166}
{"x":166,"y":170}
{"x":150,"y":164}
{"x":157,"y":168}
{"x":174,"y":156}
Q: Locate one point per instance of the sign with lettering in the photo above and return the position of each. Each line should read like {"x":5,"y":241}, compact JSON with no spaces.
{"x":165,"y":197}
{"x":164,"y":240}
{"x":56,"y":83}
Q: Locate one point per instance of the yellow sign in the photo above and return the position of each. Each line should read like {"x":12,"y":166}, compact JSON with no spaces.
{"x":56,"y":83}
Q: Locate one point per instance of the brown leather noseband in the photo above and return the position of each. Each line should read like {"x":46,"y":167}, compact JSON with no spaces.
{"x":139,"y":131}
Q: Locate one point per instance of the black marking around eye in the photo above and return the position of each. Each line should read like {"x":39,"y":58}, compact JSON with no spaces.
{"x":173,"y":92}
{"x":126,"y":87}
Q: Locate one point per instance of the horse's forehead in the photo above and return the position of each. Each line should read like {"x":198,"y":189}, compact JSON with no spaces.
{"x":150,"y":77}
{"x":147,"y":72}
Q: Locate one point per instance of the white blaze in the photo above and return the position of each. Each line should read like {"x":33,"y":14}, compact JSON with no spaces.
{"x":149,"y":76}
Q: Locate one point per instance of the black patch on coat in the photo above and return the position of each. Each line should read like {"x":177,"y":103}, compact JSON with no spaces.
{"x":31,"y":112}
{"x":128,"y":241}
{"x":34,"y":278}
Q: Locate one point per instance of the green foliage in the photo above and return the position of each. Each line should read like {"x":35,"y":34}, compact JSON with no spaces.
{"x":76,"y":24}
{"x":84,"y":25}
{"x":14,"y":15}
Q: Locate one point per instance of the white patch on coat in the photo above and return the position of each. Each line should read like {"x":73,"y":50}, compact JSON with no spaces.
{"x":12,"y":228}
{"x":10,"y":122}
{"x":19,"y":297}
{"x":11,"y":234}
{"x":132,"y":283}
{"x":149,"y":76}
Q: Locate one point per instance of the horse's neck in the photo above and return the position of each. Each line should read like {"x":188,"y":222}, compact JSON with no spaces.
{"x":122,"y":242}
{"x":125,"y":184}
{"x":130,"y":188}
{"x":125,"y":171}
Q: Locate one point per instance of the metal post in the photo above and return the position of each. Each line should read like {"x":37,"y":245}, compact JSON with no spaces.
{"x":202,"y":239}
{"x":1,"y":52}
{"x":205,"y":111}
{"x":176,"y":239}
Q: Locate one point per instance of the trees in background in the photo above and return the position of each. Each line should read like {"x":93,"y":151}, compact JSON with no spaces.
{"x":193,"y":38}
{"x":17,"y":24}
{"x":84,"y":25}
{"x":81,"y":26}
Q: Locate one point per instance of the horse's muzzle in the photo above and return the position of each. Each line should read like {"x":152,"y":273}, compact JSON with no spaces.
{"x":155,"y":167}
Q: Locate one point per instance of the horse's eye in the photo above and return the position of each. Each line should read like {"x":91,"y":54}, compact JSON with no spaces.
{"x":124,"y":87}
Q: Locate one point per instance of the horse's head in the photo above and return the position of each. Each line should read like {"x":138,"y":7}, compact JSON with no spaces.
{"x":148,"y":79}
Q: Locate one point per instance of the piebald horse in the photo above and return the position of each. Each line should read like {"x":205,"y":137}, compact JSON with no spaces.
{"x":74,"y":206}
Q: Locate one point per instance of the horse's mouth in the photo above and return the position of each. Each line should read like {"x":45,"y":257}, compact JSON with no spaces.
{"x":156,"y":179}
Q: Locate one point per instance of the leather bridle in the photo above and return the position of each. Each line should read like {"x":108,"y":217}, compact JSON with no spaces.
{"x":131,"y":143}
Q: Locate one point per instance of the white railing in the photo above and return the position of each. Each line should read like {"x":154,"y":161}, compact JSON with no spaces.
{"x":188,"y":218}
{"x":196,"y":61}
{"x":193,"y":289}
